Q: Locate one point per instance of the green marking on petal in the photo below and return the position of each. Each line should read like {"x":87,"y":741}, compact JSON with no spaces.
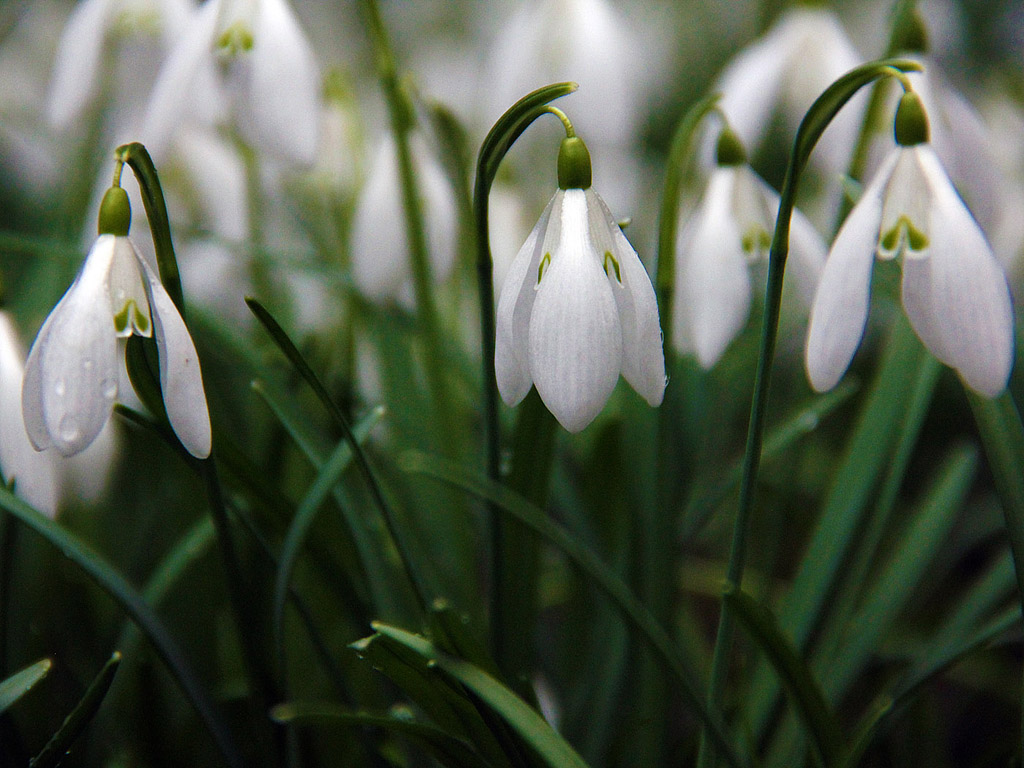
{"x":904,"y":234}
{"x":755,"y":241}
{"x":235,"y":39}
{"x":141,"y":320}
{"x":609,"y":257}
{"x":121,"y":319}
{"x":131,"y":319}
{"x":544,"y":263}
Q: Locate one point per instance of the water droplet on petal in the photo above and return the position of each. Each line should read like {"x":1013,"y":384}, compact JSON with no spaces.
{"x":69,"y":429}
{"x":109,"y":388}
{"x":60,"y":388}
{"x":87,"y":364}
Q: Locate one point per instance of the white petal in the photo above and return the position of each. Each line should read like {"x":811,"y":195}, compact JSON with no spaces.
{"x":643,"y":360}
{"x":181,"y":380}
{"x":77,"y":62}
{"x":175,"y":87}
{"x":751,"y":83}
{"x":712,"y":297}
{"x":33,"y":472}
{"x":575,"y":339}
{"x":515,"y":305}
{"x":970,"y":302}
{"x":840,"y":309}
{"x":285,"y":84}
{"x":71,"y":374}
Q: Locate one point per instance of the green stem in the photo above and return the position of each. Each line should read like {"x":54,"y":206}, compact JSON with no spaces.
{"x":811,"y":127}
{"x":403,"y":120}
{"x":137,"y":158}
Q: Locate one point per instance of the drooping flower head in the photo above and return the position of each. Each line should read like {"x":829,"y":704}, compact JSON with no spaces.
{"x":71,"y":376}
{"x":253,"y":55}
{"x":954,"y":291}
{"x":577,"y":307}
{"x":731,"y":231}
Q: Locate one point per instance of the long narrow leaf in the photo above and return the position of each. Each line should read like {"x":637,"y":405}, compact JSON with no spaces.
{"x":21,"y":682}
{"x":523,"y":719}
{"x":121,"y":592}
{"x":815,"y":712}
{"x":603,"y":577}
{"x":79,"y":718}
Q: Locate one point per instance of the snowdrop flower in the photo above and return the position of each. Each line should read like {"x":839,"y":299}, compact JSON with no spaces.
{"x":730,"y":231}
{"x":803,"y":53}
{"x":90,"y":27}
{"x":577,"y":307}
{"x":954,"y":290}
{"x":380,"y":252}
{"x":71,"y":377}
{"x":34,"y":474}
{"x":271,"y":79}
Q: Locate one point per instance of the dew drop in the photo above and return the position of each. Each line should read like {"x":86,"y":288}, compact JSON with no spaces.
{"x":60,"y":388}
{"x":87,"y":364}
{"x":109,"y":388}
{"x":69,"y":429}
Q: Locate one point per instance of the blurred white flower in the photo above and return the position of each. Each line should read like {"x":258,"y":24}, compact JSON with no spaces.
{"x":34,"y":474}
{"x":380,"y":250}
{"x":271,"y":81}
{"x":803,"y":53}
{"x":71,"y":377}
{"x":730,"y":231}
{"x":954,"y":290}
{"x":90,"y":28}
{"x":577,"y":308}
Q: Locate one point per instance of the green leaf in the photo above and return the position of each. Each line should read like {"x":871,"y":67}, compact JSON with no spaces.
{"x":445,"y":703}
{"x":21,"y":682}
{"x":414,"y":565}
{"x":602,"y":575}
{"x":445,"y":748}
{"x":57,"y":747}
{"x":325,"y":481}
{"x":816,"y":713}
{"x":121,"y":592}
{"x":523,"y":719}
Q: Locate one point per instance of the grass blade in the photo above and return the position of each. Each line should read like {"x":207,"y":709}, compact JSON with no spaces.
{"x":21,"y":682}
{"x":57,"y":748}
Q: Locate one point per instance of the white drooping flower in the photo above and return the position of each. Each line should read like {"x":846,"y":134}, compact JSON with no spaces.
{"x":729,"y":233}
{"x":954,"y":290}
{"x":90,"y":31}
{"x":34,"y":474}
{"x":71,"y":376}
{"x":270,"y":81}
{"x":802,"y":54}
{"x":380,"y":249}
{"x":576,"y":310}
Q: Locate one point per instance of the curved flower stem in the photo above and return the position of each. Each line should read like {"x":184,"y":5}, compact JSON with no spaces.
{"x":137,"y":158}
{"x":811,"y":127}
{"x":497,"y":143}
{"x":403,"y":119}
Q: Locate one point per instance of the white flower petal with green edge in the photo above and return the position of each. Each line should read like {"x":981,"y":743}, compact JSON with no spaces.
{"x":76,"y":66}
{"x":712,"y":296}
{"x":128,"y":298}
{"x":71,"y":373}
{"x":643,"y":358}
{"x":969,"y":291}
{"x":840,"y":309}
{"x":285,"y":84}
{"x":33,"y":473}
{"x":181,"y":380}
{"x":575,"y":336}
{"x":515,"y":304}
{"x":905,"y":212}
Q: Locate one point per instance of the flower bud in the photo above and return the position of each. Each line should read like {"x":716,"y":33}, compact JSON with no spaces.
{"x":911,"y":126}
{"x":573,"y":164}
{"x":115,"y":213}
